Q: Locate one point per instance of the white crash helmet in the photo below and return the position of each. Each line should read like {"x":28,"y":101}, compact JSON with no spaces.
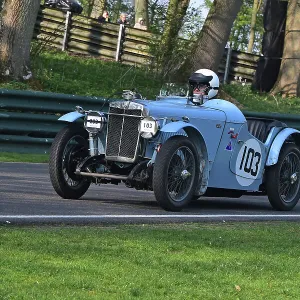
{"x":206,"y":77}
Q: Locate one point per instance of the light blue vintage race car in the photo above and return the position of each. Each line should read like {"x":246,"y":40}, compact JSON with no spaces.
{"x":181,"y":147}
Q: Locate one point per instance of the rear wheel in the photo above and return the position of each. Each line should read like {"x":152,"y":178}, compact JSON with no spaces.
{"x":176,"y":173}
{"x":283,"y":179}
{"x":69,"y":147}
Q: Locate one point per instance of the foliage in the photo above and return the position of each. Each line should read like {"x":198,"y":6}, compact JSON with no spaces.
{"x":262,"y":102}
{"x":193,"y":261}
{"x":239,"y":37}
{"x":192,"y":23}
{"x":180,"y":50}
{"x":62,"y":73}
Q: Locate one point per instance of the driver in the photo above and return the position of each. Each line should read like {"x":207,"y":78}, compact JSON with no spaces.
{"x":204,"y":85}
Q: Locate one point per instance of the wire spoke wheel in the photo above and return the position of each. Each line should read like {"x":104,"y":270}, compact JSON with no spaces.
{"x":176,"y":173}
{"x":289,"y":177}
{"x":181,"y":172}
{"x":68,"y":149}
{"x":283,"y":179}
{"x":74,"y":153}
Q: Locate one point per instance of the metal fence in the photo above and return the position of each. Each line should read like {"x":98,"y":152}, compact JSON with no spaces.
{"x":128,"y":45}
{"x":29,"y":120}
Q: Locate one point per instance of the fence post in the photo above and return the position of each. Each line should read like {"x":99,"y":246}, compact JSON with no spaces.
{"x":120,"y":42}
{"x":227,"y":66}
{"x":66,"y":31}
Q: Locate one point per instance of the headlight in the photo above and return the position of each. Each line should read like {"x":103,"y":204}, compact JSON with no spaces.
{"x":94,"y":121}
{"x":148,"y":127}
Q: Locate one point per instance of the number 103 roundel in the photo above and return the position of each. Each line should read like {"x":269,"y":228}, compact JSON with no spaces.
{"x":248,"y":162}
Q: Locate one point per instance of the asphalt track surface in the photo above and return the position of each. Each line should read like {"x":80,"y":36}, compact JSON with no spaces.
{"x":27,"y":197}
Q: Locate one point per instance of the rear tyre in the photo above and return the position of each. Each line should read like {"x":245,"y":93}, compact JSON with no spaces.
{"x":176,"y":173}
{"x":69,"y":147}
{"x":283,"y":179}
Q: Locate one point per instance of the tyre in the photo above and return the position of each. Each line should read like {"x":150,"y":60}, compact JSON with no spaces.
{"x":283,"y":179}
{"x":176,"y":173}
{"x":69,"y":147}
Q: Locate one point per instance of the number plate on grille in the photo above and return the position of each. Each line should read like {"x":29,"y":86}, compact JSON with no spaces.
{"x":147,"y":126}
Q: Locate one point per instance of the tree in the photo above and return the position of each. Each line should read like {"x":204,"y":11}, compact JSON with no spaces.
{"x":209,"y":47}
{"x":97,"y":8}
{"x":241,"y":30}
{"x":17,"y":24}
{"x":288,"y":81}
{"x":255,"y":9}
{"x":174,"y":20}
{"x":141,"y":11}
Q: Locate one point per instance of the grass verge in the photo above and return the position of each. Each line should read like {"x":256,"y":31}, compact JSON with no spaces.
{"x":226,"y":261}
{"x":18,"y":157}
{"x":60,"y":72}
{"x":262,"y":102}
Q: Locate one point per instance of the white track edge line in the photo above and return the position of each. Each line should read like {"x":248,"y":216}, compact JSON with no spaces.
{"x":143,"y":216}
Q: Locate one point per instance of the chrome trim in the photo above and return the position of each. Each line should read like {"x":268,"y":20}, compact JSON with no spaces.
{"x":103,"y":175}
{"x":124,"y":105}
{"x":130,"y":105}
{"x":122,"y":136}
{"x":115,"y":114}
{"x":127,"y":105}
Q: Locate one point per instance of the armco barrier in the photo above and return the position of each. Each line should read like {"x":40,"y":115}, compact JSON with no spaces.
{"x":29,"y":120}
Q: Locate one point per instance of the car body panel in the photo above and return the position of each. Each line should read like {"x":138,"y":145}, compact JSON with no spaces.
{"x":71,"y":116}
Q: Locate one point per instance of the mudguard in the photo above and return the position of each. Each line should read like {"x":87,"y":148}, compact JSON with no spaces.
{"x":71,"y":116}
{"x":177,"y":126}
{"x":195,"y":135}
{"x":276,"y":146}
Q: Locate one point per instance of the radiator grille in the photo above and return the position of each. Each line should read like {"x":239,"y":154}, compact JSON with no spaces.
{"x":122,"y":133}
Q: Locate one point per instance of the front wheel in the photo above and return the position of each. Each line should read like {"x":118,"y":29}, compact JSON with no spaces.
{"x":176,"y":173}
{"x":69,"y":147}
{"x":283,"y":179}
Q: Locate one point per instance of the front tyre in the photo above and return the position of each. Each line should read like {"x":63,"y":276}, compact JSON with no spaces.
{"x":283,"y":179}
{"x":69,"y":147}
{"x":176,"y":173}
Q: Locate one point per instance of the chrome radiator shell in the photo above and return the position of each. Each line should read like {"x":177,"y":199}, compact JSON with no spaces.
{"x":123,"y":136}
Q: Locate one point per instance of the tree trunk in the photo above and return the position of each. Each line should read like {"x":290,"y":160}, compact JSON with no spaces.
{"x":215,"y":33}
{"x":141,"y":11}
{"x":98,"y":6}
{"x":17,"y":25}
{"x":288,"y":81}
{"x":256,"y":6}
{"x":175,"y":14}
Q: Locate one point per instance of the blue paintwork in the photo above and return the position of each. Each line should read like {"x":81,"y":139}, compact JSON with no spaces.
{"x":213,"y":121}
{"x":71,"y":116}
{"x":277,"y":145}
{"x":176,"y":126}
{"x":230,"y":157}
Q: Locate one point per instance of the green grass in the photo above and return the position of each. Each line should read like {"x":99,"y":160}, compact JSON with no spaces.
{"x":222,"y":261}
{"x":262,"y":102}
{"x":59,"y":72}
{"x":18,"y":157}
